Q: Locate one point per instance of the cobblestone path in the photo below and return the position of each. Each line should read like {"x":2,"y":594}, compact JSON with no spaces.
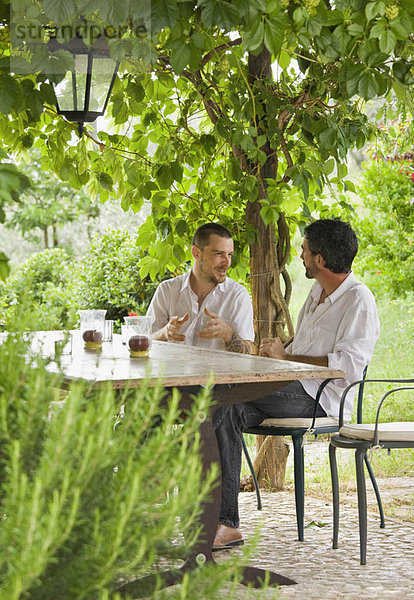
{"x":321,"y":572}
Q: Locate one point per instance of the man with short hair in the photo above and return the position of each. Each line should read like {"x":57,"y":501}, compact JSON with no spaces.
{"x":337,"y":327}
{"x":205,"y":307}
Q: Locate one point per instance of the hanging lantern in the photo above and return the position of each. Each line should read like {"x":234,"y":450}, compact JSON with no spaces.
{"x":83,"y":94}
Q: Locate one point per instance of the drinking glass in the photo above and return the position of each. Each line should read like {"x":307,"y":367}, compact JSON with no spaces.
{"x":138,"y":335}
{"x":108,"y":331}
{"x":92,"y":328}
{"x":63,"y":344}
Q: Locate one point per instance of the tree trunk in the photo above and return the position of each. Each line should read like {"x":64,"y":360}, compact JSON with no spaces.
{"x":267,"y":262}
{"x":55,"y":236}
{"x":45,"y":238}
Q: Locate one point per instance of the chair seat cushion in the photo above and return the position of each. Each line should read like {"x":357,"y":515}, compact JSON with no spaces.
{"x":300,"y":422}
{"x":388,"y":432}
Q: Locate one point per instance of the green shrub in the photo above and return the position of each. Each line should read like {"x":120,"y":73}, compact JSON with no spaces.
{"x":88,"y":504}
{"x":386,"y":227}
{"x":52,"y":286}
{"x":109,"y":276}
{"x":42,"y":285}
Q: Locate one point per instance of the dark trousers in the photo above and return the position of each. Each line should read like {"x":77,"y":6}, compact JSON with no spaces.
{"x":230,"y":422}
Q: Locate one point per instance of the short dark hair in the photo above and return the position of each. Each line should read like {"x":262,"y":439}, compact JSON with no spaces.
{"x":201,"y":237}
{"x":335,"y":241}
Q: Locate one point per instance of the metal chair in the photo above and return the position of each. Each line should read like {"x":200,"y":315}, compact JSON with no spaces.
{"x":361,"y":437}
{"x":297,"y":428}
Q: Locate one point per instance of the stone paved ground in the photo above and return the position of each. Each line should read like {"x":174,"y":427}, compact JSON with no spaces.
{"x":321,"y":572}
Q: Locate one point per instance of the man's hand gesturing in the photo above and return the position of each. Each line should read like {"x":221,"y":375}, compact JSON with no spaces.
{"x":172,"y":329}
{"x":216,"y":327}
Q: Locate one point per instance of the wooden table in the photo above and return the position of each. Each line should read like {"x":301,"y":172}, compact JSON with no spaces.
{"x":181,"y":366}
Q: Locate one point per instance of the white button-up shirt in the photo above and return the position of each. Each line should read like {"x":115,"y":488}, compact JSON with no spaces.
{"x":229,"y":300}
{"x":344,"y":328}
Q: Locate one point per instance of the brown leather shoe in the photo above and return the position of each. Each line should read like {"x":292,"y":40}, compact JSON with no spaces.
{"x":227,"y":538}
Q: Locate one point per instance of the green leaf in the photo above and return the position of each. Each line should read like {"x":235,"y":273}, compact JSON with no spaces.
{"x":387,"y":41}
{"x":179,"y":254}
{"x":269,"y":214}
{"x":219,"y":13}
{"x":400,"y":70}
{"x":250,"y":183}
{"x":368,"y":87}
{"x":372,"y":9}
{"x":199,"y":40}
{"x":164,"y":13}
{"x":181,"y":227}
{"x":274,"y":193}
{"x":327,"y":138}
{"x":106,"y":181}
{"x":208,"y":142}
{"x":164,"y":176}
{"x":136,"y":91}
{"x":48,"y":93}
{"x":273,"y":37}
{"x":10,"y":94}
{"x":4,"y":266}
{"x":317,"y":524}
{"x":177,"y":171}
{"x":314,"y":27}
{"x":378,"y":29}
{"x":180,"y":57}
{"x":27,"y":140}
{"x":349,"y":186}
{"x":334,"y":17}
{"x":398,"y":28}
{"x":291,"y":203}
{"x":353,"y":75}
{"x":253,"y":37}
{"x":355,"y":30}
{"x":305,"y":186}
{"x":284,"y":59}
{"x":59,"y":11}
{"x":342,"y":170}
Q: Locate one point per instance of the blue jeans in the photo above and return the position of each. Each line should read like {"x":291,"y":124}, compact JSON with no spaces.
{"x":230,"y":422}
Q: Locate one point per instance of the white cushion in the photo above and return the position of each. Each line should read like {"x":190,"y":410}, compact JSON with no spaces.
{"x":388,"y":432}
{"x":300,"y":422}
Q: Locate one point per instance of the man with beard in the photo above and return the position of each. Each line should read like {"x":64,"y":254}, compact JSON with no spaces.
{"x":337,"y":328}
{"x":205,"y":307}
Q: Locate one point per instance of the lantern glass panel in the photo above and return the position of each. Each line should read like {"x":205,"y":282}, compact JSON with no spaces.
{"x":81,"y":70}
{"x":70,"y":92}
{"x":102,"y":73}
{"x":64,"y":92}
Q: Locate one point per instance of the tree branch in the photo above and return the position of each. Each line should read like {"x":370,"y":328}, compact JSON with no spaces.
{"x":218,"y":49}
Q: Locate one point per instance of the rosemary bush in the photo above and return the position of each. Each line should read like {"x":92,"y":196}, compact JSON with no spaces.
{"x":89,"y":500}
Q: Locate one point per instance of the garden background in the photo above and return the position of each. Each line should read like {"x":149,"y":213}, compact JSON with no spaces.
{"x":262,"y":115}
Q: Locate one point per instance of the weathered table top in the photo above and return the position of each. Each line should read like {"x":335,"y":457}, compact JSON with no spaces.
{"x":177,"y":364}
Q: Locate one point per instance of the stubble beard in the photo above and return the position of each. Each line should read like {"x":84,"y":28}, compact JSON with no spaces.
{"x":309,"y":274}
{"x":211,"y":277}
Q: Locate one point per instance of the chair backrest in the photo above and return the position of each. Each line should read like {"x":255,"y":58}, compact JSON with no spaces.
{"x":361,"y":395}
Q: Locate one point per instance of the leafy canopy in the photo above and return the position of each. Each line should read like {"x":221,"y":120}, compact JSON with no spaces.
{"x":195,"y":130}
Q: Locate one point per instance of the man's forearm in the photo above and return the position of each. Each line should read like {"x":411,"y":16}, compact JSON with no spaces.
{"x":236,"y":344}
